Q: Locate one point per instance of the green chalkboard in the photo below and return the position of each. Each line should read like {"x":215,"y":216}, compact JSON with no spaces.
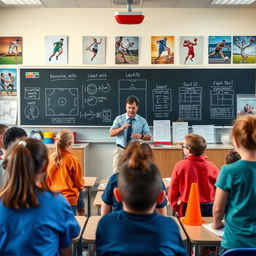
{"x":94,"y":97}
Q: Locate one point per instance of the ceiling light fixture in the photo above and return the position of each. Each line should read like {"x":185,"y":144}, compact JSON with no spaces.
{"x":129,"y":17}
{"x":233,"y":2}
{"x":21,"y":2}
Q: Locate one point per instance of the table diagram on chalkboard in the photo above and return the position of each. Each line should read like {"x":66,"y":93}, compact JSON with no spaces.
{"x":136,"y":87}
{"x":190,"y":103}
{"x":61,"y":102}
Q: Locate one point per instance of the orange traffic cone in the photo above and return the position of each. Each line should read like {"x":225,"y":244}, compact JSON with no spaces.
{"x":193,"y":213}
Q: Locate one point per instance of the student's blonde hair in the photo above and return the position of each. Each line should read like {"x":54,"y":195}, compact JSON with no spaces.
{"x":63,"y":139}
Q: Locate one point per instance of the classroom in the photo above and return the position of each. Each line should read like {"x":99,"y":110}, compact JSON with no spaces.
{"x":75,"y":19}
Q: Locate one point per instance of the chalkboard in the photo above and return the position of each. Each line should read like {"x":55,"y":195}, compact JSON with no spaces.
{"x":94,"y":97}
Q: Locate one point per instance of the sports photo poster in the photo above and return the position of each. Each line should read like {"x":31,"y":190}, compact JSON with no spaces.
{"x":219,"y":50}
{"x":94,"y":50}
{"x":191,"y":50}
{"x":8,"y":82}
{"x":56,"y":50}
{"x":126,"y":50}
{"x":162,"y":49}
{"x":244,"y":49}
{"x":10,"y":50}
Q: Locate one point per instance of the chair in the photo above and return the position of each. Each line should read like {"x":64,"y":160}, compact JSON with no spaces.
{"x":240,"y":252}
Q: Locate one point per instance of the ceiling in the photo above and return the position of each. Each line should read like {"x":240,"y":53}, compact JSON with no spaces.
{"x":137,"y":4}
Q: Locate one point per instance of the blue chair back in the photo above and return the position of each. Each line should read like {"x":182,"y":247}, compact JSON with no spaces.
{"x":240,"y":252}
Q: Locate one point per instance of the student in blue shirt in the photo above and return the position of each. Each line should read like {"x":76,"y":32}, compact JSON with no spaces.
{"x":34,"y":220}
{"x":138,"y":229}
{"x":127,"y":127}
{"x":109,"y":202}
{"x":236,"y":190}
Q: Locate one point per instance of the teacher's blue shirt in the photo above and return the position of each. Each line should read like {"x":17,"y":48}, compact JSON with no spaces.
{"x":139,"y":125}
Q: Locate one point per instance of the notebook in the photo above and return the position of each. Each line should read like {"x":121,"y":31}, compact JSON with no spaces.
{"x":217,"y":232}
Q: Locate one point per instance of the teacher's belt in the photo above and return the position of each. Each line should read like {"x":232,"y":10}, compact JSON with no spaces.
{"x":120,"y":146}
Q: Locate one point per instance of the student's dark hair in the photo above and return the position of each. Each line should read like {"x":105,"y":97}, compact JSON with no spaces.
{"x":139,"y":181}
{"x":196,"y":144}
{"x":244,"y":131}
{"x":232,"y":157}
{"x":12,"y":134}
{"x":25,"y":160}
{"x":3,"y":127}
{"x":131,"y":99}
{"x":62,"y":39}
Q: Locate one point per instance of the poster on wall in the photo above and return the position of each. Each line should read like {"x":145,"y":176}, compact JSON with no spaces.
{"x":56,"y":50}
{"x":10,"y":50}
{"x":8,"y":112}
{"x":246,"y":104}
{"x":191,"y":50}
{"x":219,"y":50}
{"x":244,"y":49}
{"x":162,"y":49}
{"x":127,"y":50}
{"x":94,"y":50}
{"x":8,"y":82}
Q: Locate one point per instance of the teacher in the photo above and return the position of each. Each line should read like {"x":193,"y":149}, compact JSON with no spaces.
{"x":128,"y":127}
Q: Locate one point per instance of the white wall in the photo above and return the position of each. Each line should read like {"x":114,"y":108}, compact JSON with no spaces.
{"x":34,"y":24}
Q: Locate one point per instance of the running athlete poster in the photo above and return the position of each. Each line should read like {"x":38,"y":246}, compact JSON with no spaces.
{"x":162,"y":49}
{"x":94,"y":50}
{"x":219,"y":50}
{"x":244,"y":49}
{"x":56,"y":50}
{"x":191,"y":50}
{"x":127,"y":50}
{"x":8,"y":82}
{"x":10,"y":50}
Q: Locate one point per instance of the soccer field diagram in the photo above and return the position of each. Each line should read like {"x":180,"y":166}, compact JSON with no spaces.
{"x":61,"y":102}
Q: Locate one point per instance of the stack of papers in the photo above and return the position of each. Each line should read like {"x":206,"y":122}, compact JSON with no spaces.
{"x":217,"y":232}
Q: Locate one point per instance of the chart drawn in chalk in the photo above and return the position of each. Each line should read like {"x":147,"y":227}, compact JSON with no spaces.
{"x":136,"y":87}
{"x":190,"y":103}
{"x":92,"y":89}
{"x":162,"y":99}
{"x":31,"y":112}
{"x":32,"y":93}
{"x":61,"y":102}
{"x":105,"y":115}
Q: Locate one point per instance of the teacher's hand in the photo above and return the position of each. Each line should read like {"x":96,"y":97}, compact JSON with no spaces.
{"x":126,"y":125}
{"x":136,"y":136}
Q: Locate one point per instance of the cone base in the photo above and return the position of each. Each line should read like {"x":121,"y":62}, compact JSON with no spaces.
{"x":192,"y":223}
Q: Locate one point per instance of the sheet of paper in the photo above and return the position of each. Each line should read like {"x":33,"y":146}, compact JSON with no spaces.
{"x":161,"y":130}
{"x":8,"y":112}
{"x":207,"y":131}
{"x":179,"y":130}
{"x":217,"y":232}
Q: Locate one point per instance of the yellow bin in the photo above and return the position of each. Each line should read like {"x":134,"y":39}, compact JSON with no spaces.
{"x":48,"y":135}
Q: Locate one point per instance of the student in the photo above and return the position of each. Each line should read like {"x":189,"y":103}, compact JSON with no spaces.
{"x":64,"y":172}
{"x":10,"y":136}
{"x":138,"y":229}
{"x":236,"y":190}
{"x":34,"y":221}
{"x":194,"y":168}
{"x":109,"y":202}
{"x":232,"y":157}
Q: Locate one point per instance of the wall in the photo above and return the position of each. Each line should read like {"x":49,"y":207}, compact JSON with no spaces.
{"x":34,"y":24}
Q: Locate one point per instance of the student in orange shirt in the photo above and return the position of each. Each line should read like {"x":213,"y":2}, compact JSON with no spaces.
{"x":64,"y":172}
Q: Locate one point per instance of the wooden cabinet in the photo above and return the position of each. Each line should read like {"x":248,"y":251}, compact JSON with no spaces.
{"x":217,"y":156}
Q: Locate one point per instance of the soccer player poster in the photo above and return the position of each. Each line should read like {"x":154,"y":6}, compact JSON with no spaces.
{"x":127,"y":50}
{"x":94,"y":50}
{"x":162,"y":49}
{"x":10,"y":50}
{"x":56,"y":50}
{"x":244,"y":49}
{"x":8,"y":82}
{"x":191,"y":50}
{"x":219,"y":50}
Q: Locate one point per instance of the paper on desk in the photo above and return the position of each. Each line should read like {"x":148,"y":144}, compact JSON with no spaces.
{"x":179,"y":131}
{"x":207,"y":131}
{"x":161,"y":130}
{"x":217,"y":232}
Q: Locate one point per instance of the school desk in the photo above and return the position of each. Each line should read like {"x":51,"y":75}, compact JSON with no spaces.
{"x":89,"y":183}
{"x":98,"y":201}
{"x":82,"y":220}
{"x":90,"y":232}
{"x":200,"y":236}
{"x":102,"y":185}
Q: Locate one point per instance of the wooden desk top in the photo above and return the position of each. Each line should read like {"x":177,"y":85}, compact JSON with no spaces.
{"x":200,"y":235}
{"x":90,"y":230}
{"x":89,"y":182}
{"x":98,"y":201}
{"x":81,"y":221}
{"x":103,"y":184}
{"x":79,"y":145}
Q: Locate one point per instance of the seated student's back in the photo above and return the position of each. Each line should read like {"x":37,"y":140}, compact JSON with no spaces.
{"x":138,"y":229}
{"x":34,"y":220}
